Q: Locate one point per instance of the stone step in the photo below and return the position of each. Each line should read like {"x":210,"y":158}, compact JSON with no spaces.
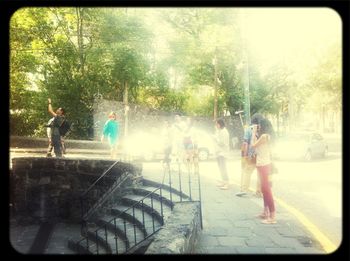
{"x":157,"y":209}
{"x":126,"y":233}
{"x":157,"y":194}
{"x":170,"y":191}
{"x":92,"y":243}
{"x":147,"y":223}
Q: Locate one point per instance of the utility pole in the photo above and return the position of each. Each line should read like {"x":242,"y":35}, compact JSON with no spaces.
{"x":126,"y":108}
{"x":246,"y":90}
{"x":246,"y":72}
{"x":215,"y":86}
{"x":125,"y":99}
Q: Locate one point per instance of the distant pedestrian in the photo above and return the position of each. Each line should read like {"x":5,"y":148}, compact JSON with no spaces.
{"x":167,"y":141}
{"x":248,"y":158}
{"x":178,"y":129}
{"x":111,"y":133}
{"x":50,"y":146}
{"x":262,"y":146}
{"x":222,"y":140}
{"x":190,"y":145}
{"x":57,"y":122}
{"x":48,"y":132}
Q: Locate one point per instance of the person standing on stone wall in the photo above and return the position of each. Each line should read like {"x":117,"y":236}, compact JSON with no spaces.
{"x":111,"y":132}
{"x":59,"y":118}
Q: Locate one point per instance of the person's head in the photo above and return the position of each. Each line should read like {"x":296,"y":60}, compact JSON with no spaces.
{"x":220,"y":124}
{"x":189,"y":121}
{"x":60,"y":111}
{"x":256,"y":118}
{"x":266,"y":128}
{"x":112,"y":115}
{"x":177,"y":117}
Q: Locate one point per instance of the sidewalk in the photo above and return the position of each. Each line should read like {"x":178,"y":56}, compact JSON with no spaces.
{"x":230,"y":225}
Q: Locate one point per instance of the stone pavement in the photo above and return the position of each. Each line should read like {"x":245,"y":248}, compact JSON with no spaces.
{"x":230,"y":225}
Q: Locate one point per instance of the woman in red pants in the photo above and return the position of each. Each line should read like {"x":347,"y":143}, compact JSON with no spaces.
{"x":262,"y":147}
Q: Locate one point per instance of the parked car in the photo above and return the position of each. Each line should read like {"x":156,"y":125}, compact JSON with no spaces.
{"x":306,"y":146}
{"x":206,"y":145}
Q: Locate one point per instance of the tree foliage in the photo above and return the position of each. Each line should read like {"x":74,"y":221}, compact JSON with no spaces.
{"x":74,"y":55}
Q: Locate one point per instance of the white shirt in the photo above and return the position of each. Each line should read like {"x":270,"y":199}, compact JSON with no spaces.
{"x":48,"y":129}
{"x":263,"y":153}
{"x":222,"y":138}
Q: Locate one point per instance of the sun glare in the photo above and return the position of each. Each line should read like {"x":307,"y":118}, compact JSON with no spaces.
{"x":280,"y":34}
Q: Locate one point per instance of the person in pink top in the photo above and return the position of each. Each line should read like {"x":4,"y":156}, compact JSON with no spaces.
{"x":262,"y":147}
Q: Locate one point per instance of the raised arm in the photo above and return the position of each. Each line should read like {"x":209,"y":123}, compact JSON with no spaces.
{"x":50,"y":108}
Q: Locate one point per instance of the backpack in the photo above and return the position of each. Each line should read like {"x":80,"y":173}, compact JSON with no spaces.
{"x":64,"y":128}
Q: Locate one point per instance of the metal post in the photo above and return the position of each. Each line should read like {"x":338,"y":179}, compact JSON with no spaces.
{"x":246,"y":72}
{"x":215,"y":86}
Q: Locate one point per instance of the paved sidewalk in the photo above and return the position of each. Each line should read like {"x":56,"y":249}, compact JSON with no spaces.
{"x":230,"y":225}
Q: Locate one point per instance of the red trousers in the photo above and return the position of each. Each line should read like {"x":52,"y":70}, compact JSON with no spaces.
{"x":264,"y":172}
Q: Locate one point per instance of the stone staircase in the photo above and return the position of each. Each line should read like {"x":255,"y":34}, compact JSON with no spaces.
{"x":47,"y":206}
{"x":127,"y":225}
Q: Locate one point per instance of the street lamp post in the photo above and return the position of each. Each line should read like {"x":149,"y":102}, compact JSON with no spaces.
{"x":246,"y":90}
{"x":246,"y":71}
{"x":215,"y":86}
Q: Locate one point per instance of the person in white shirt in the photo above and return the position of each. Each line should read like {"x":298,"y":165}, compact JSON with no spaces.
{"x":222,"y":139}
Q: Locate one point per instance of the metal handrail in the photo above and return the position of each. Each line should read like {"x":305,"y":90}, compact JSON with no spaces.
{"x":83,"y":196}
{"x":183,"y":197}
{"x":113,"y":222}
{"x":95,"y":182}
{"x":193,"y":172}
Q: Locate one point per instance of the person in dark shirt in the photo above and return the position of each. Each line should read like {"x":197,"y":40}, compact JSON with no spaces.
{"x":59,"y":118}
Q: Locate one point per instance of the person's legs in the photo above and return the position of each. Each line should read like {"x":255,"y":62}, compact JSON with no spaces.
{"x":267,"y":193}
{"x":63,"y":146}
{"x":258,"y":186}
{"x":113,"y":148}
{"x":49,"y":149}
{"x":56,"y":141}
{"x":247,"y":168}
{"x":223,"y":171}
{"x":167,"y":152}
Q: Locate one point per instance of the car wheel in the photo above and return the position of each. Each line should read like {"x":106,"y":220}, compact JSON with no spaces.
{"x":203,"y":154}
{"x":308,"y":155}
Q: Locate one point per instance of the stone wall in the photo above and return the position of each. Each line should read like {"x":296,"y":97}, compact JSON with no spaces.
{"x":181,"y":231}
{"x":31,"y":142}
{"x":152,"y":120}
{"x":50,"y":188}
